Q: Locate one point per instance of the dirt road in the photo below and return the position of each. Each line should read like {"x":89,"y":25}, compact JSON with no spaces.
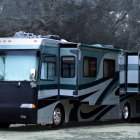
{"x":91,"y":131}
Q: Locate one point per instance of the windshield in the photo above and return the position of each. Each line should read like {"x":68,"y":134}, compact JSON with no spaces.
{"x":16,"y":65}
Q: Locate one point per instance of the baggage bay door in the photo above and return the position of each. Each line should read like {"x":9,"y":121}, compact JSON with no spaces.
{"x":49,"y":71}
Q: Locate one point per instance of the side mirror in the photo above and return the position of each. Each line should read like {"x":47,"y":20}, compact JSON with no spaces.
{"x":32,"y":74}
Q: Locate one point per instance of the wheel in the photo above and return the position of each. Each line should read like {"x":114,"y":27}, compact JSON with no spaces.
{"x":4,"y":125}
{"x":58,"y":116}
{"x":126,"y":112}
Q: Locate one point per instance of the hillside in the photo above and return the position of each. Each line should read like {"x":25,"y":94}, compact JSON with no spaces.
{"x":114,"y":22}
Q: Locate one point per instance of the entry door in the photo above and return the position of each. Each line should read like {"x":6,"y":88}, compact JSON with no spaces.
{"x":48,"y":78}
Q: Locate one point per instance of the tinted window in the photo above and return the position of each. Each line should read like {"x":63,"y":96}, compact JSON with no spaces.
{"x":109,"y":68}
{"x":68,"y":67}
{"x":90,"y":65}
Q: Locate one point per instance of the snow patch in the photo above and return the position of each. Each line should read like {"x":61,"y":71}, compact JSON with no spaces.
{"x":1,"y":8}
{"x":118,"y":15}
{"x":111,"y":12}
{"x":127,"y":16}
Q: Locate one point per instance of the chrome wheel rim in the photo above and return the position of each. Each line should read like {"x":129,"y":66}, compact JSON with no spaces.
{"x":125,"y":112}
{"x":57,"y":116}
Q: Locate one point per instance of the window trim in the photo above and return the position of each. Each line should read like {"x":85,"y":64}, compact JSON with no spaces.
{"x":114,"y":69}
{"x":89,"y":66}
{"x":62,"y":65}
{"x":47,"y":69}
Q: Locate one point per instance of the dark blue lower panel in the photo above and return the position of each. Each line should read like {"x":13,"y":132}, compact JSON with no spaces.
{"x":11,"y":98}
{"x":14,"y":115}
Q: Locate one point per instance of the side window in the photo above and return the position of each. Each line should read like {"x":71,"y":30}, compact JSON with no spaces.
{"x":48,"y":68}
{"x":68,"y":66}
{"x":109,"y":68}
{"x":90,"y":66}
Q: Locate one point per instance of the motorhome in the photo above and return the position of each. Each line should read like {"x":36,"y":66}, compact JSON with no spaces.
{"x":46,"y":80}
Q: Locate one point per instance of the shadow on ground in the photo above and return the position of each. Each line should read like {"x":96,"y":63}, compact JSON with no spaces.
{"x":33,"y":128}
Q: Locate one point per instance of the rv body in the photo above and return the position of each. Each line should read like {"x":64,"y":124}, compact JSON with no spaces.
{"x":41,"y":78}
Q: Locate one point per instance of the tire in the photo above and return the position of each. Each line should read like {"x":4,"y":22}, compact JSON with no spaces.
{"x":4,"y":125}
{"x":58,"y":116}
{"x":126,"y":112}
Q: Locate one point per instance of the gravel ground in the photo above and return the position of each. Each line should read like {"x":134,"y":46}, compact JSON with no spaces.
{"x":88,"y":131}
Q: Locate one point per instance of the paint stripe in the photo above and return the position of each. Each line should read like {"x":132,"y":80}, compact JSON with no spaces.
{"x":104,"y":112}
{"x":67,"y":86}
{"x":47,"y":101}
{"x":93,"y":83}
{"x":122,"y":85}
{"x":44,"y":103}
{"x":48,"y":86}
{"x":92,"y":113}
{"x":73,"y":87}
{"x":55,"y":86}
{"x":106,"y":92}
{"x":122,"y":67}
{"x":133,"y":85}
{"x":122,"y":95}
{"x":80,"y":98}
{"x":128,"y":96}
{"x":130,"y":67}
